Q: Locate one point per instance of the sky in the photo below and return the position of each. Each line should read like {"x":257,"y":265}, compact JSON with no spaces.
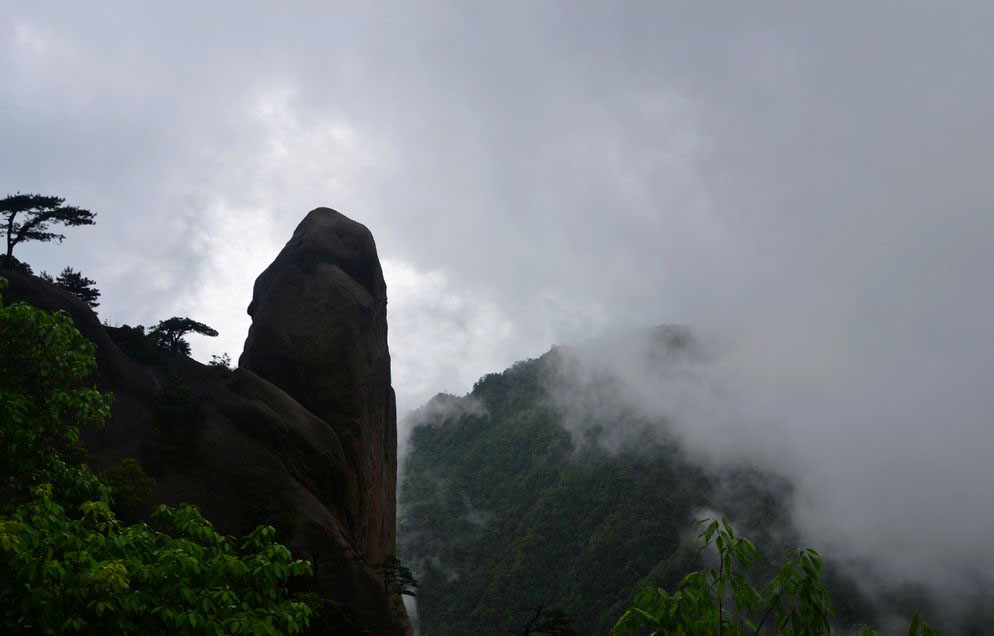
{"x":808,"y":183}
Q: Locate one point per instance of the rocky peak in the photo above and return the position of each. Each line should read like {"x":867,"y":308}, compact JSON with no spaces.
{"x":319,"y":333}
{"x":302,"y":436}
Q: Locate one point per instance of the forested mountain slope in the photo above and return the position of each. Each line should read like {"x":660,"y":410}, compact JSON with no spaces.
{"x":513,"y":497}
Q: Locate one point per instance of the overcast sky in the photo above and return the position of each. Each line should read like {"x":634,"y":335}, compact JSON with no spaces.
{"x":813,"y":183}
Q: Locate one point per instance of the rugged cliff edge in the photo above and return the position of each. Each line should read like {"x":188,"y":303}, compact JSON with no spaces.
{"x":302,"y":436}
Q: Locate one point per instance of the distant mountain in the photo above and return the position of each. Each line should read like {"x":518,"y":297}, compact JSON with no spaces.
{"x":549,"y":486}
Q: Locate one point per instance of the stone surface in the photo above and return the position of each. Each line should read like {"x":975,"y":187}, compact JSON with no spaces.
{"x":319,"y":332}
{"x":302,"y":437}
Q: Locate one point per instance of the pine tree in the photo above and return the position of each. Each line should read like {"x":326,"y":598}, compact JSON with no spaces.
{"x":169,"y":334}
{"x":78,"y":285}
{"x":28,"y":217}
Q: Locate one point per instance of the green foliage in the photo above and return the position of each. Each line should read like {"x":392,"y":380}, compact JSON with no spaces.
{"x":917,"y":627}
{"x":264,"y":494}
{"x":128,"y":483}
{"x":721,"y":600}
{"x":68,"y":563}
{"x":29,"y":217}
{"x":169,"y":334}
{"x":43,"y":362}
{"x":501,"y":509}
{"x":76,"y":284}
{"x":88,"y":573}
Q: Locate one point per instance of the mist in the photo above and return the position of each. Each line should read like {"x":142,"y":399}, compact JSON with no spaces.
{"x":889,"y":479}
{"x":805,"y":187}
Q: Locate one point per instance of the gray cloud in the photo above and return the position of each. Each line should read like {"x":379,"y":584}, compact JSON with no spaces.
{"x":809,"y":185}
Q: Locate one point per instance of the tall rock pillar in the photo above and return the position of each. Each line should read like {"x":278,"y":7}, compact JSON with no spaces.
{"x":319,"y":332}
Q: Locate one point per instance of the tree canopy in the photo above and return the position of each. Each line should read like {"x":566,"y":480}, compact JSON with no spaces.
{"x":30,"y":217}
{"x":721,"y":600}
{"x":43,"y":360}
{"x":76,"y":284}
{"x":169,"y":334}
{"x":508,"y":501}
{"x":69,"y":565}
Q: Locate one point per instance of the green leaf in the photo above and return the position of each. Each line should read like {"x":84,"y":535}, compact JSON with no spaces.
{"x":913,"y":628}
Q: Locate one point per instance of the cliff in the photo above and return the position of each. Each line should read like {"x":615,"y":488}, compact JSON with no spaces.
{"x":302,"y":436}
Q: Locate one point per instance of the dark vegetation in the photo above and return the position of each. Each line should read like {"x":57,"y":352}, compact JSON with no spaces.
{"x":514,"y":524}
{"x":69,"y":564}
{"x":221,"y":365}
{"x":178,"y":421}
{"x":30,"y":217}
{"x":134,"y":342}
{"x":170,"y":334}
{"x":722,"y":600}
{"x":504,"y":512}
{"x":88,"y":551}
{"x":76,"y":284}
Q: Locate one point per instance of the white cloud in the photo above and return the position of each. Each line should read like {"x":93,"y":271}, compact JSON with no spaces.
{"x":811,"y":183}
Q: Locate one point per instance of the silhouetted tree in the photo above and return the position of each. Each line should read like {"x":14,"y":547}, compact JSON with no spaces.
{"x":544,"y":622}
{"x":14,"y":264}
{"x":397,"y":577}
{"x":28,"y":217}
{"x":76,"y":284}
{"x":134,"y":342}
{"x":168,"y":334}
{"x":221,"y":364}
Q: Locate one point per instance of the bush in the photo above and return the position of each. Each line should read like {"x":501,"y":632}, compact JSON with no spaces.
{"x":68,"y":563}
{"x":721,"y":600}
{"x":43,"y":402}
{"x":88,"y":573}
{"x":221,"y":364}
{"x":134,"y":342}
{"x":76,"y":284}
{"x":128,"y":483}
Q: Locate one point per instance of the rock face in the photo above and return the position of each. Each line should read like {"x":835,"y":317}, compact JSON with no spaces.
{"x":319,"y":332}
{"x":302,"y":437}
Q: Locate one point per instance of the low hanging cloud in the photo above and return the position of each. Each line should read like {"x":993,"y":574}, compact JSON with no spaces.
{"x":868,"y":488}
{"x":807,"y":186}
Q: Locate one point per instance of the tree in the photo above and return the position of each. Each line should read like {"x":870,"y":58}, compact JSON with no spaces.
{"x":168,"y":334}
{"x":43,"y":404}
{"x":69,"y":565}
{"x":221,"y":364}
{"x":76,"y":284}
{"x":554,"y":622}
{"x":86,"y":572}
{"x":397,"y":578}
{"x":722,"y":601}
{"x":28,"y":217}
